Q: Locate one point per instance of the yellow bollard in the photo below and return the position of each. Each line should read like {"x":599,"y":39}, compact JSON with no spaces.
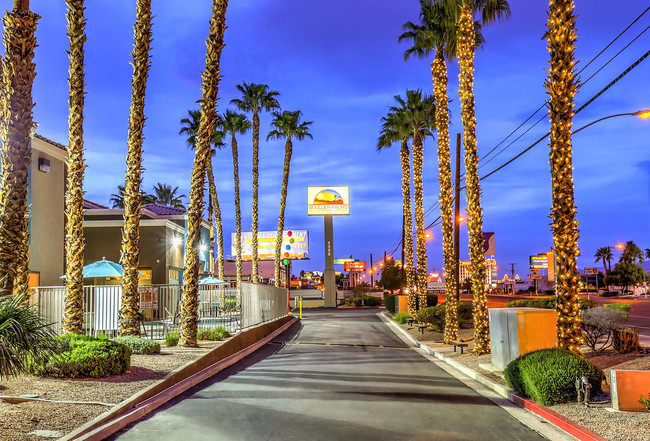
{"x":300,"y":306}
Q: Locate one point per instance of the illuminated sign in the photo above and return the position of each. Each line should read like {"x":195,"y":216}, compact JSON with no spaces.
{"x":342,"y":261}
{"x":328,"y":200}
{"x":488,"y":244}
{"x":591,"y":271}
{"x":295,"y":244}
{"x":540,"y":261}
{"x":357,"y":265}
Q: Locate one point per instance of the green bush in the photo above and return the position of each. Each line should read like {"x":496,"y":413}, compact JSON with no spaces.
{"x":203,"y":335}
{"x":434,"y":316}
{"x":389,"y":302}
{"x":349,"y":301}
{"x":219,"y":333}
{"x":587,"y":304}
{"x":432,"y":300}
{"x":624,"y":308}
{"x":548,"y":375}
{"x":465,"y":311}
{"x":86,"y":356}
{"x":171,"y":339}
{"x":139,"y":345}
{"x":229,"y":305}
{"x":371,"y":301}
{"x":521,"y":303}
{"x":546,"y":303}
{"x":549,"y":292}
{"x":610,"y":294}
{"x":357,"y":301}
{"x":401,"y":317}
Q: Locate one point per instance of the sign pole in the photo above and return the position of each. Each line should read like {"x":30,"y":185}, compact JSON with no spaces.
{"x":329,"y":275}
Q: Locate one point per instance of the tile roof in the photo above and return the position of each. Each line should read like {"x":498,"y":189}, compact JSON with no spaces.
{"x":49,"y":141}
{"x":163,"y":210}
{"x":88,"y":205}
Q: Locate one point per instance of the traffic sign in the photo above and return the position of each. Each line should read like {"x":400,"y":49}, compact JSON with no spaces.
{"x":590,"y":271}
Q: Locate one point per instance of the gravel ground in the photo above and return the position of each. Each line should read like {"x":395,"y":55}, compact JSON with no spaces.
{"x":599,"y":417}
{"x":18,"y":420}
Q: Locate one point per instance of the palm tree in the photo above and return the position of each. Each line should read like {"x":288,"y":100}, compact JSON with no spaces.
{"x":256,"y":97}
{"x":437,"y":33}
{"x":396,"y":128}
{"x":562,"y":86}
{"x":17,"y":77}
{"x":190,"y":126}
{"x":236,"y":124}
{"x":632,"y":253}
{"x":74,"y":238}
{"x":605,"y":254}
{"x":210,"y":89}
{"x":164,"y":194}
{"x":117,"y":199}
{"x":130,"y":252}
{"x":463,"y":11}
{"x":288,"y":126}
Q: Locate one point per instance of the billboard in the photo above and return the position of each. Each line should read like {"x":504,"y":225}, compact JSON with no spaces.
{"x":328,"y":200}
{"x":488,"y":244}
{"x":295,"y":243}
{"x":357,"y":265}
{"x":539,"y":261}
{"x":342,"y":261}
{"x":590,"y":271}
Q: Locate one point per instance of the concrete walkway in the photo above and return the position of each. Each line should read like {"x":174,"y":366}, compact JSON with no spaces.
{"x":328,"y":378}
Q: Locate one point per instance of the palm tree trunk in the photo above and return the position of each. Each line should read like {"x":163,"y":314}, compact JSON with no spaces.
{"x":562,"y":86}
{"x":217,"y":219}
{"x":472,"y":185}
{"x":407,"y":223}
{"x":421,"y":245}
{"x":21,"y":281}
{"x":210,"y":88}
{"x":130,"y":258}
{"x":440,"y":80}
{"x":256,"y":150}
{"x":18,"y":74}
{"x":235,"y":167}
{"x":211,"y":221}
{"x":288,"y":148}
{"x":74,"y":240}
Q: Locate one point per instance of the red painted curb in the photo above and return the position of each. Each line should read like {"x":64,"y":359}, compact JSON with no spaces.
{"x":555,"y":418}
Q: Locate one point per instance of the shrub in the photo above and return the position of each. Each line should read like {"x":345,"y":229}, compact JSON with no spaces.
{"x":86,"y":356}
{"x":371,"y":301}
{"x":587,"y":304}
{"x":401,"y":317}
{"x":389,"y":301}
{"x":624,"y":308}
{"x":546,"y":303}
{"x":203,"y":335}
{"x":644,"y":402}
{"x":548,"y":375}
{"x":610,"y":294}
{"x":521,"y":303}
{"x":171,"y":339}
{"x":465,"y":311}
{"x":598,"y":323}
{"x":432,"y":300}
{"x":139,"y":345}
{"x":229,"y":305}
{"x":434,"y":316}
{"x":357,"y":301}
{"x":549,"y":292}
{"x":626,"y":341}
{"x":349,"y":301}
{"x":219,"y":333}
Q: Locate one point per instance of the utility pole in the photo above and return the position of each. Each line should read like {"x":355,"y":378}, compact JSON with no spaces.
{"x":512,"y":270}
{"x":456,"y":216}
{"x":372,"y":279}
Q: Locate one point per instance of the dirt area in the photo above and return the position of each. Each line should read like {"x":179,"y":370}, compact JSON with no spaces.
{"x":17,"y":421}
{"x":599,"y":417}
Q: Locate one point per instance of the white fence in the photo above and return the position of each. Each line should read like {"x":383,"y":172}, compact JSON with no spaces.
{"x":159,"y":305}
{"x":262,"y":303}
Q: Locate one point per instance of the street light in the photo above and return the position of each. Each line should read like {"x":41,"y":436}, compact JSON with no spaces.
{"x":644,"y":114}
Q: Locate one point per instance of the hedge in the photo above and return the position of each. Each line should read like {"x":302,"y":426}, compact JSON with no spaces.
{"x":548,"y":375}
{"x":389,"y":302}
{"x":139,"y":345}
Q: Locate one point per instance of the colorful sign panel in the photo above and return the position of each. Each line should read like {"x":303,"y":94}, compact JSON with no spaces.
{"x":540,"y":261}
{"x":488,"y":244}
{"x":295,"y":244}
{"x":342,"y":261}
{"x":328,"y":200}
{"x":357,"y":265}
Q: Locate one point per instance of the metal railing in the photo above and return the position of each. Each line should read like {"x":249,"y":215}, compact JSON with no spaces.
{"x":160,"y":307}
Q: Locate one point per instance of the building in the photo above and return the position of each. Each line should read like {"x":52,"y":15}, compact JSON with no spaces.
{"x":46,"y":199}
{"x":162,"y":241}
{"x":490,"y":276}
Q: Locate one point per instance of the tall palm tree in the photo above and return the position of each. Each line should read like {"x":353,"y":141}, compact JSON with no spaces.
{"x":74,"y":239}
{"x":632,"y":253}
{"x":396,"y":128}
{"x":464,"y":11}
{"x":286,"y":125}
{"x":130,"y":253}
{"x":604,"y":254}
{"x":17,"y":77}
{"x":210,"y":89}
{"x":164,"y":194}
{"x":562,"y":86}
{"x":437,"y":33}
{"x":255,"y":98}
{"x":190,"y":126}
{"x":236,"y":124}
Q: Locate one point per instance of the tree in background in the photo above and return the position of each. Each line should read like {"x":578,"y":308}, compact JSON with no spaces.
{"x":255,"y":98}
{"x":164,"y":194}
{"x":235,"y":124}
{"x":130,"y":253}
{"x":390,"y":276}
{"x":286,"y":125}
{"x":605,"y":254}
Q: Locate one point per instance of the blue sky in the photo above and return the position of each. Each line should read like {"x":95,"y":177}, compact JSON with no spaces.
{"x":341,"y":65}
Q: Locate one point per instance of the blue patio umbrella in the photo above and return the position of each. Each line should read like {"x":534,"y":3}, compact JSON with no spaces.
{"x":102,"y":268}
{"x":212,"y":281}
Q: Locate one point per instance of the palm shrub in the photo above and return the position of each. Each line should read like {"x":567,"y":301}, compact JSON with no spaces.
{"x":171,"y":339}
{"x":139,"y":345}
{"x":598,"y":323}
{"x":548,"y":375}
{"x":626,"y":341}
{"x":24,"y":336}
